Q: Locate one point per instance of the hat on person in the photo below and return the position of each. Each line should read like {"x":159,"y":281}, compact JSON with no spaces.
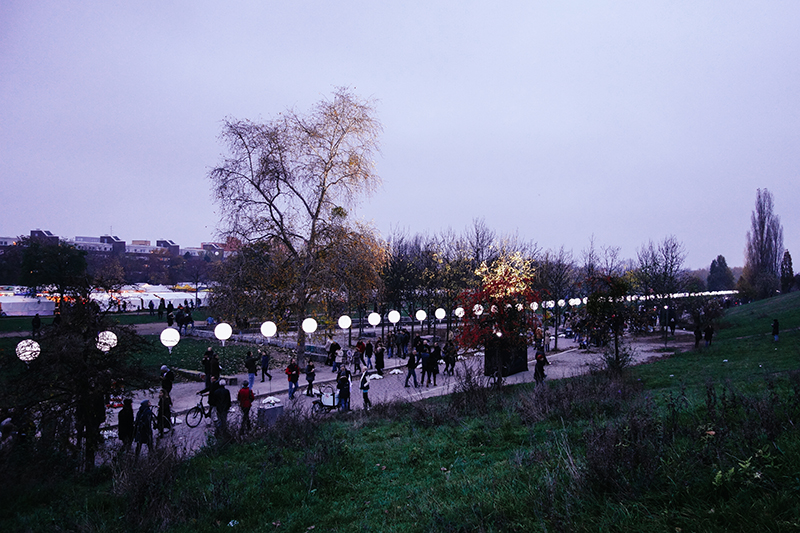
{"x":145,"y":402}
{"x":222,"y":382}
{"x":164,"y":368}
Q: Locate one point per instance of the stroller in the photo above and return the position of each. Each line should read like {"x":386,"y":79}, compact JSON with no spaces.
{"x":326,"y":400}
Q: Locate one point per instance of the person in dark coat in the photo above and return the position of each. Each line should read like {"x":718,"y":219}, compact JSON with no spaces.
{"x":251,"y":364}
{"x":143,"y":427}
{"x":380,"y":351}
{"x":164,"y":420}
{"x":433,"y":362}
{"x":167,"y":378}
{"x":206,"y":362}
{"x":265,"y":358}
{"x":293,"y":375}
{"x":412,"y":367}
{"x":709,"y":334}
{"x":698,"y":336}
{"x":36,"y":324}
{"x":343,"y":386}
{"x":538,"y":372}
{"x":310,"y":376}
{"x":125,"y":423}
{"x":220,"y":399}
{"x":775,"y":330}
{"x":364,"y":386}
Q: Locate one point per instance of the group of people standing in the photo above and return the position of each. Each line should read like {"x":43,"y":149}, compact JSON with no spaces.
{"x":139,"y":428}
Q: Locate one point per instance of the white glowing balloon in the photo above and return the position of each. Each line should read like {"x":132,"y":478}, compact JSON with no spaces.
{"x":478,"y":309}
{"x":421,"y":315}
{"x":269,"y":328}
{"x":534,"y":306}
{"x":440,"y":313}
{"x":309,"y":325}
{"x":459,"y":312}
{"x":106,"y":340}
{"x":345,"y":322}
{"x":28,"y":350}
{"x":374,"y":319}
{"x":223,"y":331}
{"x":394,"y":317}
{"x":170,"y":337}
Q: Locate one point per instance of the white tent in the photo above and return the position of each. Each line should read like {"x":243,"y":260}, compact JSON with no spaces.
{"x":26,"y":306}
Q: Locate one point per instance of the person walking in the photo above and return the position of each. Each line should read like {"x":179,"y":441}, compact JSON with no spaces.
{"x":251,"y":364}
{"x":125,"y":426}
{"x":775,"y":330}
{"x":161,"y":308}
{"x":364,"y":386}
{"x":264,"y":364}
{"x":245,"y":399}
{"x":143,"y":428}
{"x":412,"y":367}
{"x":293,"y":374}
{"x":310,"y":375}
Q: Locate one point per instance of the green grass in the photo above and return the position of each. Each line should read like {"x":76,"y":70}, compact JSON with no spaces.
{"x":700,"y":441}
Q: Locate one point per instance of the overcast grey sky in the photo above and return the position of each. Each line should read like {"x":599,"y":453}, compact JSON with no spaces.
{"x":561,"y":120}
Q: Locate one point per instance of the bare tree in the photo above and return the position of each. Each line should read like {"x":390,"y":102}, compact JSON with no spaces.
{"x":291,"y":181}
{"x":660,"y":273}
{"x":557,"y":277}
{"x":764,"y":248}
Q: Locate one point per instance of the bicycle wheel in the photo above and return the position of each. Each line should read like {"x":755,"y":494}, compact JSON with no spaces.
{"x":194,"y":416}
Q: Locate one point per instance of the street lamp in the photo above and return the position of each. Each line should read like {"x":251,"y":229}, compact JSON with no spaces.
{"x":106,"y":340}
{"x":28,"y":350}
{"x":170,"y":338}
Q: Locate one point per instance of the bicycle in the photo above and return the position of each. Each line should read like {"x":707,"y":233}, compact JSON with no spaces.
{"x":196,"y":414}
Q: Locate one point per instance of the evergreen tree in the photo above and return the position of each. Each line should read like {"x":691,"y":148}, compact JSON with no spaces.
{"x":720,"y":277}
{"x":787,"y":272}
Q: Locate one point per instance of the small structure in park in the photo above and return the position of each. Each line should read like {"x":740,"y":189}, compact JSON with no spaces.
{"x":498,"y":315}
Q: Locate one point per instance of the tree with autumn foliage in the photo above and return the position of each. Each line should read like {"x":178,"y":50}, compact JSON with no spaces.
{"x":497,"y":314}
{"x":289,"y":183}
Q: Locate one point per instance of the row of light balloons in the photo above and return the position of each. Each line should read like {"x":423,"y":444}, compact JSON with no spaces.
{"x":29,"y":349}
{"x":223,"y":331}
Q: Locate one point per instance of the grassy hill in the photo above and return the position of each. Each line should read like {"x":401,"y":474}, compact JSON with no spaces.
{"x":705,"y":440}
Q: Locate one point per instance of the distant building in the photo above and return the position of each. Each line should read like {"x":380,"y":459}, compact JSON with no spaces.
{"x":171,"y":247}
{"x":44,"y":236}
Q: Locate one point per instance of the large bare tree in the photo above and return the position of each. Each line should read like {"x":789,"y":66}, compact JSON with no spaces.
{"x":292,"y":181}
